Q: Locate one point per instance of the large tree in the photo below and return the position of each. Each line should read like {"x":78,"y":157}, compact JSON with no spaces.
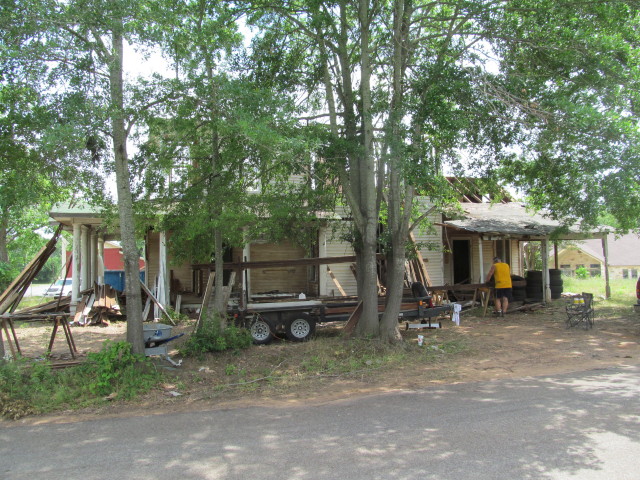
{"x":409,"y":90}
{"x":81,"y":46}
{"x":232,"y":145}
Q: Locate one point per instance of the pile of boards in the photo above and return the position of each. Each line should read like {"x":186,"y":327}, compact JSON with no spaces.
{"x":97,"y":306}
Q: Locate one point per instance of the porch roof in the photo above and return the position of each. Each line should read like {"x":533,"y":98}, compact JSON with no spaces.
{"x":514,"y":220}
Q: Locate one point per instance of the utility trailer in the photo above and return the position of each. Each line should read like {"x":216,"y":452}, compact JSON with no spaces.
{"x":297,"y":320}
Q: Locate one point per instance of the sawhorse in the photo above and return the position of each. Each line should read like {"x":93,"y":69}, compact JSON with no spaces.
{"x":6,"y":322}
{"x":485,"y":294}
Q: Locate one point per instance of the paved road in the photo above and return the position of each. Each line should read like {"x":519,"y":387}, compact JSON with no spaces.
{"x":583,"y":426}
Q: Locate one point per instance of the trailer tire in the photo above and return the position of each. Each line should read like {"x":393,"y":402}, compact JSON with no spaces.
{"x":300,"y":327}
{"x":261,"y":332}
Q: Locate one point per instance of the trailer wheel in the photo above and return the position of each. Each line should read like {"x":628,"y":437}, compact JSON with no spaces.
{"x":300,"y":327}
{"x":261,"y":332}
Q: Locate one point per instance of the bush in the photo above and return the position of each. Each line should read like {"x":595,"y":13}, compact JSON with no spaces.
{"x":27,"y":388}
{"x":209,"y":338}
{"x":582,"y":272}
{"x":115,"y":370}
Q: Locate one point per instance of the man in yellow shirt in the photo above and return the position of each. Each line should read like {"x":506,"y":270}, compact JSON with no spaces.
{"x":502,"y":274}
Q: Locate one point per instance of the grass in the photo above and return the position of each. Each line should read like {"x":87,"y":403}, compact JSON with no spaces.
{"x":33,"y":301}
{"x":623,"y":291}
{"x":28,"y":388}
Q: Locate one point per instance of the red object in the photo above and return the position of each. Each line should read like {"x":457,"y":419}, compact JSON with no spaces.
{"x":112,"y":261}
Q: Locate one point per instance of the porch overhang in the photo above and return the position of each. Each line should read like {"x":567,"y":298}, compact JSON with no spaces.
{"x":513,"y":220}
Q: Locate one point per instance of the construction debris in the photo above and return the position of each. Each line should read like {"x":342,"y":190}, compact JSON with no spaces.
{"x":97,"y":306}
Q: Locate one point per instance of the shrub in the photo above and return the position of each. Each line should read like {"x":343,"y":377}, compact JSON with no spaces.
{"x":33,"y":387}
{"x":582,"y":272}
{"x":116,"y":370}
{"x":210,"y":338}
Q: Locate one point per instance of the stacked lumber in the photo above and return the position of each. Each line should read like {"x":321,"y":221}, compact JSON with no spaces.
{"x":415,"y":268}
{"x":60,"y":304}
{"x":97,"y":306}
{"x":11,"y":297}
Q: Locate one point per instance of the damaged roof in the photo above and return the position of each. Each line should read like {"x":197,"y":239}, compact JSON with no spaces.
{"x":513,"y":220}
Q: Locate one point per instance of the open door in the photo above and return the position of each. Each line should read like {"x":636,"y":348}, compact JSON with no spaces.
{"x":461,"y":261}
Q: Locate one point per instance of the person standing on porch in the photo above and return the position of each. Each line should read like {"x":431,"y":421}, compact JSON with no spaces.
{"x":502,"y":274}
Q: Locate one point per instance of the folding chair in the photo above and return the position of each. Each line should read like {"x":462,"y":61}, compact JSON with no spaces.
{"x":580,"y":310}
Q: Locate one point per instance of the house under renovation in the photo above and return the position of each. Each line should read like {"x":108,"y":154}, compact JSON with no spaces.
{"x":455,"y":254}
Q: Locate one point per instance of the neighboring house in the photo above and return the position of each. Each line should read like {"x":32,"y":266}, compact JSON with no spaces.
{"x":623,"y":256}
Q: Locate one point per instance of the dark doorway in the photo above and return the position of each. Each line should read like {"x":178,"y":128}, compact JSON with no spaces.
{"x":461,"y":261}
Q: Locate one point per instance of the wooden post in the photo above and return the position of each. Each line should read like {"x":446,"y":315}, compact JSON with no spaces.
{"x":605,"y":251}
{"x":205,"y":299}
{"x":481,"y":254}
{"x":544,"y":252}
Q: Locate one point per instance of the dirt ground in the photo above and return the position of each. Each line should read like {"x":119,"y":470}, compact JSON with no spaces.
{"x":520,"y":344}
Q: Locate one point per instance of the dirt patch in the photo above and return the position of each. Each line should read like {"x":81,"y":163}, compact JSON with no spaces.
{"x":517,"y":345}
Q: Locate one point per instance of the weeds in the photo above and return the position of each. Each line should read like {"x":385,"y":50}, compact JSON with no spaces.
{"x":28,"y":388}
{"x":210,"y":338}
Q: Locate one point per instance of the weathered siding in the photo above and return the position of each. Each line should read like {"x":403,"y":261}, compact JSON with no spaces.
{"x":433,"y":257}
{"x":335,"y":247}
{"x":290,"y":279}
{"x":180,"y":273}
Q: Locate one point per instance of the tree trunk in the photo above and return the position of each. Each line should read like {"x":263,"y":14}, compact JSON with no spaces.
{"x":4,"y":226}
{"x":399,"y":202}
{"x":366,"y":175}
{"x":125,"y":201}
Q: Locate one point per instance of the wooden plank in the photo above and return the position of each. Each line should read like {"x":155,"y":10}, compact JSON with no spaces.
{"x":336,"y":282}
{"x":147,"y":309}
{"x":351,"y":324}
{"x":280,"y":263}
{"x":422,"y":268}
{"x":178,"y":302}
{"x":205,"y":300}
{"x":155,"y":301}
{"x":79,"y":309}
{"x":228,"y":288}
{"x":11,"y":297}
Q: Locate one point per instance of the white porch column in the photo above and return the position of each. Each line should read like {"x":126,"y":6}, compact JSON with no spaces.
{"x":322,"y":269}
{"x":75,"y":275}
{"x":84,"y":257}
{"x":163,"y":274}
{"x":100,"y":262}
{"x":546,"y":289}
{"x":93,"y":252}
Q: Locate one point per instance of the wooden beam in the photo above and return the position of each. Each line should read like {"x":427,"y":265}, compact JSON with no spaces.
{"x":205,"y":299}
{"x":336,"y":282}
{"x":155,"y":300}
{"x":351,"y":324}
{"x":605,"y":251}
{"x":280,"y":263}
{"x":422,"y":268}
